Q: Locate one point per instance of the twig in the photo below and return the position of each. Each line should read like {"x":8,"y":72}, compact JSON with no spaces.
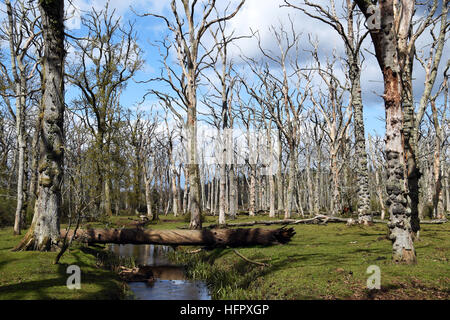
{"x":248,"y":260}
{"x":194,"y":251}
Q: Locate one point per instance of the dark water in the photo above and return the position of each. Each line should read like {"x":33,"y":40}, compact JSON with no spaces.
{"x":170,"y":283}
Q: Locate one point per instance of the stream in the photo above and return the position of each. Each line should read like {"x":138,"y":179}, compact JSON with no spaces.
{"x":170,"y":280}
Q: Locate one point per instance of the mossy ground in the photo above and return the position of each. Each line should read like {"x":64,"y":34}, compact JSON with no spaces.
{"x":321,"y":262}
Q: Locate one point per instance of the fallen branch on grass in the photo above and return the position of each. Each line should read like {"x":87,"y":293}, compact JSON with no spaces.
{"x":248,"y":260}
{"x":319,"y":219}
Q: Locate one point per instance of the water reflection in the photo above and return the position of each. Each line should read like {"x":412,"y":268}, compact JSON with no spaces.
{"x":170,"y":283}
{"x":145,"y":254}
{"x":170,"y":290}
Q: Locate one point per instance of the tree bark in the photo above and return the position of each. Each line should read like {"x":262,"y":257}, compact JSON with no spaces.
{"x":291,"y":183}
{"x":252,"y":190}
{"x":44,"y":230}
{"x":233,"y":192}
{"x":386,"y":48}
{"x":362,"y":173}
{"x":280,"y":175}
{"x":210,"y":238}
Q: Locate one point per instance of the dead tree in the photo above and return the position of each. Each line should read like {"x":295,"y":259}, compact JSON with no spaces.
{"x":349,"y":31}
{"x":385,"y":41}
{"x":208,"y":238}
{"x":222,"y":97}
{"x":187,"y":35}
{"x":107,"y":58}
{"x":337,"y":118}
{"x":20,"y":34}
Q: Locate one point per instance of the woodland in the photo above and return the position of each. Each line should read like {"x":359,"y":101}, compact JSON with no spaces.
{"x":227,"y":149}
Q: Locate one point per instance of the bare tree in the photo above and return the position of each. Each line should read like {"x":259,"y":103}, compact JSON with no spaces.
{"x":349,"y":31}
{"x":187,"y":36}
{"x":108,"y":57}
{"x":20,"y":32}
{"x":385,"y":41}
{"x":337,"y":119}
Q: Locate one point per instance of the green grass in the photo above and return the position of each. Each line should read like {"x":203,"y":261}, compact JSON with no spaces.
{"x":327,"y":262}
{"x":321,"y":262}
{"x":32,"y":275}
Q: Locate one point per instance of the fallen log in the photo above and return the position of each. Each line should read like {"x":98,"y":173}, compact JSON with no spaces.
{"x":205,"y":237}
{"x":316,"y":219}
{"x":319,"y":219}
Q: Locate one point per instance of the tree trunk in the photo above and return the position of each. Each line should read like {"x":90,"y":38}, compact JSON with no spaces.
{"x":336,"y":198}
{"x":233,"y":193}
{"x":44,"y":231}
{"x":108,"y":201}
{"x":186,"y":192}
{"x":148,"y":197}
{"x":291,"y":182}
{"x":280,"y":176}
{"x":252,"y":190}
{"x":438,"y":205}
{"x":362,"y":173}
{"x":174,"y":191}
{"x":21,"y":176}
{"x":210,"y":238}
{"x":317,"y":184}
{"x":211,"y":196}
{"x":193,"y":166}
{"x":386,"y":49}
{"x":446,"y":178}
{"x":35,"y":158}
{"x":309,"y":184}
{"x":380,"y":193}
{"x":222,"y":191}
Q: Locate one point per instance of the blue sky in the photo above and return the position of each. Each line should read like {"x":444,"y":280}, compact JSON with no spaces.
{"x":256,"y":15}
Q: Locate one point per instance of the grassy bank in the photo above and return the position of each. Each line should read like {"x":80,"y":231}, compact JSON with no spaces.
{"x":327,"y":262}
{"x":322,"y":262}
{"x":32,"y":275}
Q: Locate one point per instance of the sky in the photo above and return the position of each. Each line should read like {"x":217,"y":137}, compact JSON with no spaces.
{"x":255,"y":15}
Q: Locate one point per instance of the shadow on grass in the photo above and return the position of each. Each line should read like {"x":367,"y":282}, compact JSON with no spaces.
{"x":95,"y":283}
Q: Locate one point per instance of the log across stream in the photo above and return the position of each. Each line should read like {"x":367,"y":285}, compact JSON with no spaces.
{"x":169,"y":281}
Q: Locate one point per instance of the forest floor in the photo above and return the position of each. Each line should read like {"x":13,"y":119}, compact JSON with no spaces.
{"x":321,"y":262}
{"x":33,"y":276}
{"x":324,"y":262}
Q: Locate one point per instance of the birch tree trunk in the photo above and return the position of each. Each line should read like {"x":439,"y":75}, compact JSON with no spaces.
{"x":44,"y":231}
